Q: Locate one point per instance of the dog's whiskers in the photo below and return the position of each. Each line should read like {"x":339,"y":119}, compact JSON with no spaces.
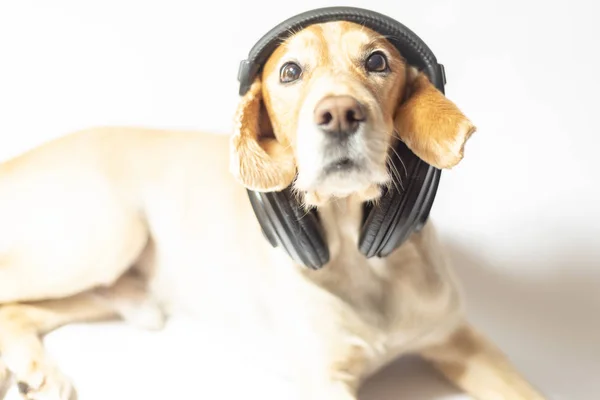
{"x":401,"y":161}
{"x":301,"y":200}
{"x":396,"y":173}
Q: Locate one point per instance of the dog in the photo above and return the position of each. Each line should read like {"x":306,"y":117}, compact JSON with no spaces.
{"x":137,"y":224}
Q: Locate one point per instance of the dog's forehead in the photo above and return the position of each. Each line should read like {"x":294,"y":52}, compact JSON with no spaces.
{"x":330,"y":36}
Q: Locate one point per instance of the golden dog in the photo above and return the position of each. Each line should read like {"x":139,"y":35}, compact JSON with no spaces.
{"x":121,"y":222}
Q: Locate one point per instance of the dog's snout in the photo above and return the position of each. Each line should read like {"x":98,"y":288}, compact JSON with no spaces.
{"x":339,"y":114}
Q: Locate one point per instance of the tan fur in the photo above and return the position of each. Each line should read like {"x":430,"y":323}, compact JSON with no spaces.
{"x":258,"y":163}
{"x":90,"y":217}
{"x":431,"y":125}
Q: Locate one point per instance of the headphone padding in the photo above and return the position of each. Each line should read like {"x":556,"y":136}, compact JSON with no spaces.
{"x":285,"y":223}
{"x":403,"y":208}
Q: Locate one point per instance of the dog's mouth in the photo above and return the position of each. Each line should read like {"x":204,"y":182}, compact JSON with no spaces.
{"x":343,"y":176}
{"x":341,"y":165}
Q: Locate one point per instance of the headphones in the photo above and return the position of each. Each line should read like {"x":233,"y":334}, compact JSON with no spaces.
{"x":402,"y":209}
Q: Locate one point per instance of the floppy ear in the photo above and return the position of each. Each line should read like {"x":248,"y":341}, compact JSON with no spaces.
{"x":257,"y":160}
{"x":431,"y":125}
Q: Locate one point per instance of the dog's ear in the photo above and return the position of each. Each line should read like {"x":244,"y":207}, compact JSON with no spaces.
{"x":430,"y":124}
{"x":258,"y":160}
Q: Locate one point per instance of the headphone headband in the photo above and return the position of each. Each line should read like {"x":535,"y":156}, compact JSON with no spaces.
{"x":416,"y":52}
{"x":401,"y":210}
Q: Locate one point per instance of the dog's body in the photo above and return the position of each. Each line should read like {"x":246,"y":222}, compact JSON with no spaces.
{"x":87,"y":217}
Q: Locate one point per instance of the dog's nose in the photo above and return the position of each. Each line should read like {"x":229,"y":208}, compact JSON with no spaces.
{"x":339,"y":115}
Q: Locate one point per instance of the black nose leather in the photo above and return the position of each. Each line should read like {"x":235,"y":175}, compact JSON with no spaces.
{"x":339,"y":115}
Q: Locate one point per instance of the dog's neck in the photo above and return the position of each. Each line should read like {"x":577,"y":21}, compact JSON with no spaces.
{"x":349,"y":274}
{"x":342,"y":217}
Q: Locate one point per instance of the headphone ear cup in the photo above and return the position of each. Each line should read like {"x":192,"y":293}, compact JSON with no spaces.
{"x":375,"y":225}
{"x":285,"y":223}
{"x":404,"y":206}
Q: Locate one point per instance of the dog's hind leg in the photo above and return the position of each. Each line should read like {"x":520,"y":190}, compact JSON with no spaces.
{"x":21,"y":347}
{"x":22,"y":326}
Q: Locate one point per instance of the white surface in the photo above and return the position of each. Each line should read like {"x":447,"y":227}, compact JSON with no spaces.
{"x":520,"y":214}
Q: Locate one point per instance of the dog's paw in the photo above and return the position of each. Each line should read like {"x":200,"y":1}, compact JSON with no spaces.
{"x":147,"y":315}
{"x":47,"y":383}
{"x":131,"y":300}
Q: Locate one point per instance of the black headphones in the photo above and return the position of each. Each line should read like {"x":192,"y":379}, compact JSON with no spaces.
{"x":403,"y":209}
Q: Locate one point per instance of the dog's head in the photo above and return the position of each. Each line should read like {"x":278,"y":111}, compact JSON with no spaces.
{"x":324,"y":113}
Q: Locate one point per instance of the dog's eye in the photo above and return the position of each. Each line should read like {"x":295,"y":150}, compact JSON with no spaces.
{"x":289,"y":72}
{"x":377,"y":62}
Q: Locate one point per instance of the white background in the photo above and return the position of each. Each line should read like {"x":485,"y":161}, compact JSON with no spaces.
{"x":520,"y":215}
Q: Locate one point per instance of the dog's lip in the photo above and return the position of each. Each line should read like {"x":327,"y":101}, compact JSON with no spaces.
{"x":342,"y":164}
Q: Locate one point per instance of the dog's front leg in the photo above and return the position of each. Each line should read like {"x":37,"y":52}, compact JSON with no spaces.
{"x":471,"y":362}
{"x":329,"y":370}
{"x":337,"y":373}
